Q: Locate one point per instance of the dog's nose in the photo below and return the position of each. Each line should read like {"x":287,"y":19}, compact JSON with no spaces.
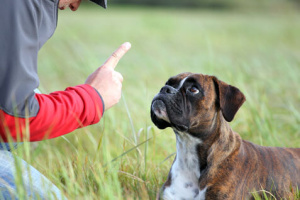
{"x":168,"y":90}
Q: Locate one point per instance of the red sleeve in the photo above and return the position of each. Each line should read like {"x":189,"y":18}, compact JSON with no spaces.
{"x":60,"y":113}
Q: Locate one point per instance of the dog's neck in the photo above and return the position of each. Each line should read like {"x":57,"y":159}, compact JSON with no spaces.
{"x":185,"y":172}
{"x":186,"y":152}
{"x":216,"y":146}
{"x":211,"y":146}
{"x":218,"y":137}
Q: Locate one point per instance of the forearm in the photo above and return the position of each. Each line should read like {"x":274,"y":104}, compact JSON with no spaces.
{"x":60,"y":113}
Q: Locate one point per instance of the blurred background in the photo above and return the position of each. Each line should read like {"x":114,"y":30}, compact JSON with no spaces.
{"x":253,"y":45}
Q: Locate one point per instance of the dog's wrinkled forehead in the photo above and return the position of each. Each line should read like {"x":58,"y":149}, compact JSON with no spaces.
{"x":178,"y":80}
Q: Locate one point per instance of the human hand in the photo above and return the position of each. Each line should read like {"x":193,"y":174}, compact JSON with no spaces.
{"x":106,"y":80}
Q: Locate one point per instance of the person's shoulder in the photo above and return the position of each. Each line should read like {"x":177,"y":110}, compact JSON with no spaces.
{"x":23,"y":7}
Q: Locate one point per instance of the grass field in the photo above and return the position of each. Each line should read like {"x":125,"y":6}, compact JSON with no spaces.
{"x":125,"y":156}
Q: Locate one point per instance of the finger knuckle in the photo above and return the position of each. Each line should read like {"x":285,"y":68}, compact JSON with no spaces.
{"x":115,"y":55}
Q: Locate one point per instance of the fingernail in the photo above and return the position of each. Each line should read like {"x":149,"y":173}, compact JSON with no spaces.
{"x":127,"y":45}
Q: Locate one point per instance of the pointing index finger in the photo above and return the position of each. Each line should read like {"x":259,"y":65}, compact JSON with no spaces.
{"x":113,"y":60}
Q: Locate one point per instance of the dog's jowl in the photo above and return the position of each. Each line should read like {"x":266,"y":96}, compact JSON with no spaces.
{"x":212,"y":161}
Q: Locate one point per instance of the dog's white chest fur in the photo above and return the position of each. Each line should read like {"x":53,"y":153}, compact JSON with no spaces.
{"x":185,"y":171}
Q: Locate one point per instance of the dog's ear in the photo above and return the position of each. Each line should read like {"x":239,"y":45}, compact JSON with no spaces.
{"x":230,"y":98}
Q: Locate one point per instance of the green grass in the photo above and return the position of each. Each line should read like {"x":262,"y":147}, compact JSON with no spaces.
{"x":125,"y":156}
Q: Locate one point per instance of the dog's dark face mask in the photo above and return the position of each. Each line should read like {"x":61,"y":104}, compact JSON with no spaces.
{"x":169,"y":106}
{"x":190,"y":103}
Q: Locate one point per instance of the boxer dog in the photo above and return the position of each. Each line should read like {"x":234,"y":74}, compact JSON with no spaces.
{"x":212,"y":161}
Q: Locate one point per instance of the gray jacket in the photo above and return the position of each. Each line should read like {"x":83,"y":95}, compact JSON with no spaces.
{"x":25,"y":26}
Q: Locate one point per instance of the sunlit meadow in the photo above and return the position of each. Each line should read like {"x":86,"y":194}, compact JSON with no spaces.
{"x":125,"y":156}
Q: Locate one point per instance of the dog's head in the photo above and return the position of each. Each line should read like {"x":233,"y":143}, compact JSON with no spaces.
{"x":190,"y":102}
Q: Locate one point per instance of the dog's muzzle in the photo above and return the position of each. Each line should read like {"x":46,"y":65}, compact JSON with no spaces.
{"x":160,"y":110}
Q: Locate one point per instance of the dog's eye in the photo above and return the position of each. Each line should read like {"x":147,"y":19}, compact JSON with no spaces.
{"x":194,"y":90}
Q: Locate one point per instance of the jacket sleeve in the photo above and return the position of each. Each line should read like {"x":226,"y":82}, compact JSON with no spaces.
{"x":60,"y":113}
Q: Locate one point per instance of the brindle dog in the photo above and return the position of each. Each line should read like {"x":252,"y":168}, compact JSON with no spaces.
{"x":212,"y":161}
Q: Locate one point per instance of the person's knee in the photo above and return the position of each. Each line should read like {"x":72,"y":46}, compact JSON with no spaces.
{"x":24,"y":180}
